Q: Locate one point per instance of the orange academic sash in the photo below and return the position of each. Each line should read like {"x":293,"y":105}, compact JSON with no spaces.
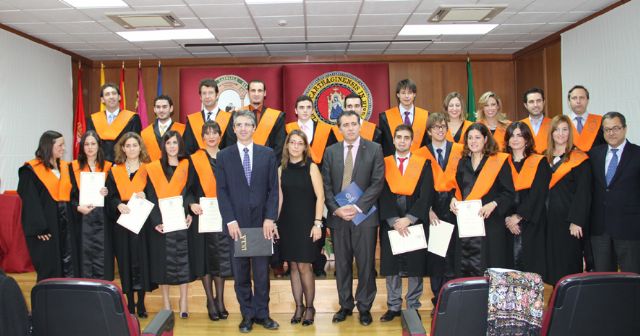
{"x":166,"y":188}
{"x":367,"y":130}
{"x":403,"y":184}
{"x":540,"y":139}
{"x":59,"y":188}
{"x":524,"y":179}
{"x":443,"y":180}
{"x":206,"y":177}
{"x":151,"y":142}
{"x":320,"y":137}
{"x":465,"y":125}
{"x":486,"y":178}
{"x":419,"y":123}
{"x":265,"y":125}
{"x":197,"y":121}
{"x":585,"y":140}
{"x":75,"y":166}
{"x":111,"y":132}
{"x":575,"y":159}
{"x":126,"y":187}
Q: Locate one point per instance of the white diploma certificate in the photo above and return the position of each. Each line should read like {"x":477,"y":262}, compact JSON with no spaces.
{"x":210,"y":220}
{"x":139,"y":209}
{"x":439,"y":238}
{"x":470,"y":224}
{"x":172,"y":211}
{"x":90,"y":185}
{"x":412,"y":242}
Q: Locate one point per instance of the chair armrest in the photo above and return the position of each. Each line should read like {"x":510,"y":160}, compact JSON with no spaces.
{"x":161,"y":325}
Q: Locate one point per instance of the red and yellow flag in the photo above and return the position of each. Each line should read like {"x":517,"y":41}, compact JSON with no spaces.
{"x":123,"y":100}
{"x":79,"y":121}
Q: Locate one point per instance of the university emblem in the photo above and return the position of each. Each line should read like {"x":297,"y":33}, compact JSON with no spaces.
{"x":328,"y":92}
{"x":233,"y":92}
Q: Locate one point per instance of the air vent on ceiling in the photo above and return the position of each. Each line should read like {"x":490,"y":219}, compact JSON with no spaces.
{"x":146,"y":20}
{"x":480,"y":13}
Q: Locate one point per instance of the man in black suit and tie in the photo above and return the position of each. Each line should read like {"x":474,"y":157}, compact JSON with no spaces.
{"x":353,"y":160}
{"x":247,"y":188}
{"x":615,"y":213}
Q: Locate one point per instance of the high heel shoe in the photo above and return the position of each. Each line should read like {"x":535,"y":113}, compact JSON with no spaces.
{"x":307,"y":321}
{"x":142,"y":310}
{"x":212,"y":311}
{"x":222,"y":312}
{"x":297,"y":315}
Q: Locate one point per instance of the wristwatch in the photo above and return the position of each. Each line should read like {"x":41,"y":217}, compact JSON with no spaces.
{"x":318,"y":223}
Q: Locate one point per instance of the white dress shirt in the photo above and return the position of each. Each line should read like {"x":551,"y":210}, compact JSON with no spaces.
{"x":536,"y":123}
{"x":214,"y":114}
{"x":573,"y":117}
{"x":113,"y":115}
{"x":307,"y":128}
{"x":354,"y":150}
{"x":411,"y":111}
{"x":405,"y":164}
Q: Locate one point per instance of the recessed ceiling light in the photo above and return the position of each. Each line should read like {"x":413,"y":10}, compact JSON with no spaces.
{"x":265,"y":2}
{"x":166,"y":35}
{"x":95,"y":3}
{"x":446,"y":29}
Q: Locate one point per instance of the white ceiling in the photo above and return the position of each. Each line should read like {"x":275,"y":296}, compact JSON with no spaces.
{"x":89,"y":33}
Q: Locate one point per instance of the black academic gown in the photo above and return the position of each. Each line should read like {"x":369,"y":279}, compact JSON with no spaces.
{"x":386,"y":136}
{"x":392,"y":205}
{"x":134,"y":125}
{"x":190,"y":142}
{"x":474,"y":255}
{"x":130,"y":249}
{"x":568,"y":202}
{"x":168,"y":252}
{"x":41,"y":214}
{"x":529,"y":248}
{"x":93,"y":238}
{"x":211,"y":252}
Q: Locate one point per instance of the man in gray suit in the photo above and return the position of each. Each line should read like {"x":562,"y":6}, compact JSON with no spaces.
{"x":353,"y":160}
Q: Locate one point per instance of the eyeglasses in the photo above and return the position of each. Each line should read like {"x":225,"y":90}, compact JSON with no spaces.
{"x":614,"y":129}
{"x":439,"y":127}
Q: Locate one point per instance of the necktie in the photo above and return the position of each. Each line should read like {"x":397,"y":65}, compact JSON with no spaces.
{"x":110,"y":117}
{"x":407,"y":121}
{"x":348,"y":168}
{"x":257,"y":113}
{"x":209,"y":115}
{"x":613,"y":165}
{"x":401,"y":166}
{"x":440,"y":158}
{"x":579,"y":124}
{"x":162,"y":129}
{"x":246,"y":164}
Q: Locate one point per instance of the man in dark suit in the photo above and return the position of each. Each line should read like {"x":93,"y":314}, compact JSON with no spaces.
{"x":360,"y":161}
{"x":615,"y":213}
{"x":247,"y":188}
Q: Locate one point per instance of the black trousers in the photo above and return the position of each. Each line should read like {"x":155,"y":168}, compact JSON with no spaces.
{"x":609,"y":253}
{"x":254,"y":302}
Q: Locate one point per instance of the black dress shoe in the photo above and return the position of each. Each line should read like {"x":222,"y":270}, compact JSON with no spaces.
{"x":222,"y":311}
{"x":267,"y":323}
{"x":389,"y":315}
{"x":246,"y":325}
{"x":212,"y":311}
{"x":309,"y":316}
{"x":297,"y":315}
{"x":341,"y":315}
{"x":365,"y":318}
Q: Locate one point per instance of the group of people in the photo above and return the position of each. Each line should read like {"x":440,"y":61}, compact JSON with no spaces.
{"x":558,"y":195}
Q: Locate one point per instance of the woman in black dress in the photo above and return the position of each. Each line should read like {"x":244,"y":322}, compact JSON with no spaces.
{"x":483,"y":174}
{"x":44,"y":189}
{"x":568,"y":201}
{"x":531,"y":175}
{"x":127,"y":177}
{"x":93,"y":235}
{"x":211,"y":251}
{"x":169,"y":251}
{"x":300,"y":221}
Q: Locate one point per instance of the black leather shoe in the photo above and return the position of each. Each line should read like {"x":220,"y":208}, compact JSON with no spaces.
{"x":309,"y":316}
{"x":341,"y":315}
{"x":267,"y":323}
{"x":297,"y":315}
{"x":389,"y":315}
{"x":246,"y":325}
{"x":365,"y":318}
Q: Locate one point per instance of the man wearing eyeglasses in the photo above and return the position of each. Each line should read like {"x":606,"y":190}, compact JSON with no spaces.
{"x":615,"y":211}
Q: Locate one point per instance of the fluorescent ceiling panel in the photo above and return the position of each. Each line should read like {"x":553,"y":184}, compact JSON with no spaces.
{"x":264,"y":2}
{"x":166,"y":35}
{"x":446,"y":29}
{"x":95,"y":3}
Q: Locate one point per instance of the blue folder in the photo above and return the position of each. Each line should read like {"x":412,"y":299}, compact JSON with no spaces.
{"x":350,"y":195}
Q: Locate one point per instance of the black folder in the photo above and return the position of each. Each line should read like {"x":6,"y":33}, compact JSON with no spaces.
{"x":252,"y":244}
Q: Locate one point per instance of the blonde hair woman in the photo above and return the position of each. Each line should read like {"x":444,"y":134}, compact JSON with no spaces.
{"x":490,"y":113}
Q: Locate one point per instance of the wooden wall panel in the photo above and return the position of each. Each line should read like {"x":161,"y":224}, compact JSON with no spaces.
{"x":553,"y":79}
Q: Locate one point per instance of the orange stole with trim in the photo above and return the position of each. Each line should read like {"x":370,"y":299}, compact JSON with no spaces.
{"x":265,"y":125}
{"x":443,"y":180}
{"x":540,"y":139}
{"x":403,"y":184}
{"x":75,"y":166}
{"x":151,"y":142}
{"x":465,"y":126}
{"x":367,"y":130}
{"x":205,"y":173}
{"x":127,"y":187}
{"x":575,"y":159}
{"x":111,"y":132}
{"x":320,"y":137}
{"x":196,"y":121}
{"x":585,"y":140}
{"x":59,"y":188}
{"x":486,"y":178}
{"x":524,"y":179}
{"x":419,"y":125}
{"x":166,"y":188}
